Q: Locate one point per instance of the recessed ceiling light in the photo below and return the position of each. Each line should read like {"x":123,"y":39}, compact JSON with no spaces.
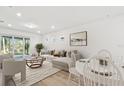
{"x":9,"y":25}
{"x":30,"y":25}
{"x":53,"y":27}
{"x":19,"y":14}
{"x":38,"y":31}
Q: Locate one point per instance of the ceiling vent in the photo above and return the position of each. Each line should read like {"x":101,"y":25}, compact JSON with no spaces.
{"x":2,"y":20}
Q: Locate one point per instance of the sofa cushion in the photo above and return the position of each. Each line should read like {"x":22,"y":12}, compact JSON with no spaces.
{"x":63,"y":53}
{"x":52,"y":52}
{"x":56,"y":53}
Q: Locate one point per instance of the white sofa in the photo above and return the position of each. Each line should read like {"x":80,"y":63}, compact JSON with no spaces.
{"x":63,"y":62}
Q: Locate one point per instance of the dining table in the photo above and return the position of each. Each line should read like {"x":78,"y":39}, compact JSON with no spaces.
{"x":96,"y":70}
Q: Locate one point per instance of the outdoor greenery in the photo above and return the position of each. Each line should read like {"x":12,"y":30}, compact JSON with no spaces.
{"x":14,"y":45}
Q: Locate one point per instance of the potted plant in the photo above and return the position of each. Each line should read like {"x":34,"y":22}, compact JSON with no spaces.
{"x":38,"y":48}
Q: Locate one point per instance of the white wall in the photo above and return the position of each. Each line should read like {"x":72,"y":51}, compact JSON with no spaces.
{"x":33,"y":37}
{"x":107,"y":33}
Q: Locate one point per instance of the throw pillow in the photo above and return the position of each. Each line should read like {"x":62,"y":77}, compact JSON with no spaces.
{"x":63,"y":53}
{"x":52,"y":52}
{"x":56,"y":53}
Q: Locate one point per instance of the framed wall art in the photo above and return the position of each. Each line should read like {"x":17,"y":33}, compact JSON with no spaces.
{"x":78,"y":39}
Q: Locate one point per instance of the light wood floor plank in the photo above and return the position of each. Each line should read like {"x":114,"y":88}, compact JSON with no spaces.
{"x":58,"y":79}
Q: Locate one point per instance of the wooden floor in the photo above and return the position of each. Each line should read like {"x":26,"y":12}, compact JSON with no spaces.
{"x":58,"y":79}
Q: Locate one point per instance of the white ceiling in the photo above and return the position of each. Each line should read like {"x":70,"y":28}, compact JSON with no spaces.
{"x":60,"y":16}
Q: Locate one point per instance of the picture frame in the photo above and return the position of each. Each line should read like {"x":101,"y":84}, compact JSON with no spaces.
{"x":78,"y":39}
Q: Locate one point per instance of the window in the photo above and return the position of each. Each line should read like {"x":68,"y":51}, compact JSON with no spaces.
{"x":18,"y":46}
{"x":6,"y":45}
{"x":14,"y":45}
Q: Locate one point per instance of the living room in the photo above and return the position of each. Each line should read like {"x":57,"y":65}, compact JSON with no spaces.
{"x":82,"y":31}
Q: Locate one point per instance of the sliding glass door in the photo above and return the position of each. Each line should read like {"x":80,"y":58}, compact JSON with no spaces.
{"x":6,"y":45}
{"x":18,"y":46}
{"x":14,"y":45}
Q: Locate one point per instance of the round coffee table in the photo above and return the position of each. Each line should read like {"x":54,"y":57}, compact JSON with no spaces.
{"x":34,"y":62}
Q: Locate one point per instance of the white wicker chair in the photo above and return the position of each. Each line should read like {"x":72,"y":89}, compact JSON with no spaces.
{"x":102,"y":71}
{"x":72,"y":69}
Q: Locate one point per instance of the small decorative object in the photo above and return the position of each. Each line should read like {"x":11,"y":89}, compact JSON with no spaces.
{"x":38,"y":48}
{"x":78,"y":39}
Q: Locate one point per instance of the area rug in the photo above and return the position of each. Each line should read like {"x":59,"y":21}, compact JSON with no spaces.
{"x":35,"y":75}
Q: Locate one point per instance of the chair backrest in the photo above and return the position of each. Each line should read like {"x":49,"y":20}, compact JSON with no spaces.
{"x":73,"y":58}
{"x":104,"y":55}
{"x":102,"y":71}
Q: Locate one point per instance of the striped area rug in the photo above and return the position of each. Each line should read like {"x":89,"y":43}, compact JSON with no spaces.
{"x":35,"y":75}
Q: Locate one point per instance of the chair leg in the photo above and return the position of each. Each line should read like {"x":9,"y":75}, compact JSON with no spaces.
{"x":69,"y":78}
